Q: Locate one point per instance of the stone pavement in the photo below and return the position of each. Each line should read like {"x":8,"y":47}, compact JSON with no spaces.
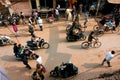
{"x":60,"y":51}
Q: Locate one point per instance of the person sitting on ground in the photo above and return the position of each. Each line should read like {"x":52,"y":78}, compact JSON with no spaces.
{"x":34,"y":41}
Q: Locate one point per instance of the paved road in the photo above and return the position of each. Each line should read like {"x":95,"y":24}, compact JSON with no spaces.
{"x":60,"y":50}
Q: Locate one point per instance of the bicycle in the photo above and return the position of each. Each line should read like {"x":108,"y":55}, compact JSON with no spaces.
{"x":95,"y":43}
{"x":98,"y":29}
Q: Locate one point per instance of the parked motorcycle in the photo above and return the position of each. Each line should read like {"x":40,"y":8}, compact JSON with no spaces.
{"x":6,"y":40}
{"x":65,"y":70}
{"x":40,"y":43}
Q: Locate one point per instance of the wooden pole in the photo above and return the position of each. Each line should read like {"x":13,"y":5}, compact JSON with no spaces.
{"x":98,"y":7}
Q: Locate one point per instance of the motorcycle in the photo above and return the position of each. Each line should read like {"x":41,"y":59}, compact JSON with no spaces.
{"x":30,"y":54}
{"x":27,"y":52}
{"x":40,"y":43}
{"x":76,"y":36}
{"x":4,"y":40}
{"x":65,"y":70}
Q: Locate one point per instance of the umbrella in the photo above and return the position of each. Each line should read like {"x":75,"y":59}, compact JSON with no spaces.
{"x":114,"y":1}
{"x":3,"y":75}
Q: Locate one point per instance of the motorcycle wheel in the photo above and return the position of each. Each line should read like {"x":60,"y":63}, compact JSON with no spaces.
{"x":95,"y":27}
{"x":45,"y":45}
{"x":85,"y":45}
{"x":68,"y":38}
{"x":97,"y":44}
{"x":53,"y":73}
{"x":99,"y":33}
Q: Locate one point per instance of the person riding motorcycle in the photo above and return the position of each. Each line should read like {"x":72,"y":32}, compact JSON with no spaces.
{"x":35,"y":41}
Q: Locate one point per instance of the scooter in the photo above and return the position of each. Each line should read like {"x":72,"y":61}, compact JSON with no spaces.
{"x":65,"y":70}
{"x":40,"y":43}
{"x":4,"y":40}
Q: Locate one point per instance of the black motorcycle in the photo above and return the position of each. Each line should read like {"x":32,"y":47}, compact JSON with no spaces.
{"x":65,"y":70}
{"x":75,"y":37}
{"x":40,"y":43}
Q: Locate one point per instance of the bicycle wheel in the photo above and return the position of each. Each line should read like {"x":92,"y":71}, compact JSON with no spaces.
{"x":97,"y":44}
{"x":99,"y":33}
{"x":45,"y":45}
{"x":95,"y":27}
{"x":85,"y":45}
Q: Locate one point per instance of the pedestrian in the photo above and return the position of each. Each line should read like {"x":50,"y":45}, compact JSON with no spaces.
{"x":30,"y":29}
{"x":108,"y":58}
{"x":22,"y":17}
{"x":35,"y":14}
{"x":68,"y":15}
{"x":117,"y":18}
{"x":39,"y":21}
{"x":15,"y":50}
{"x":31,"y":20}
{"x":40,"y":71}
{"x":25,"y":61}
{"x":80,"y":9}
{"x":15,"y":28}
{"x":57,"y":14}
{"x":85,"y":23}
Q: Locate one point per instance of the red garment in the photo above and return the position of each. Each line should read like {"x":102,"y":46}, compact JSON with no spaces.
{"x":15,"y":28}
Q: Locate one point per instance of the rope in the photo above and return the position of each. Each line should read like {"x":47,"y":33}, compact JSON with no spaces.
{"x":13,"y":33}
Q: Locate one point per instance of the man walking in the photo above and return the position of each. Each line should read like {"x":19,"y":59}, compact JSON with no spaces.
{"x":25,"y":61}
{"x":108,"y":57}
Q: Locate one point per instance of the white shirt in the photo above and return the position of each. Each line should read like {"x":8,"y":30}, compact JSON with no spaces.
{"x":56,"y":12}
{"x":39,"y":60}
{"x":109,"y":56}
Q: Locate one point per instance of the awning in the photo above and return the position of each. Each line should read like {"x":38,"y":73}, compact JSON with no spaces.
{"x":114,"y":1}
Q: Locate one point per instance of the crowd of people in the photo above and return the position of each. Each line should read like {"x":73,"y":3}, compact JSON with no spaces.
{"x":35,"y":19}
